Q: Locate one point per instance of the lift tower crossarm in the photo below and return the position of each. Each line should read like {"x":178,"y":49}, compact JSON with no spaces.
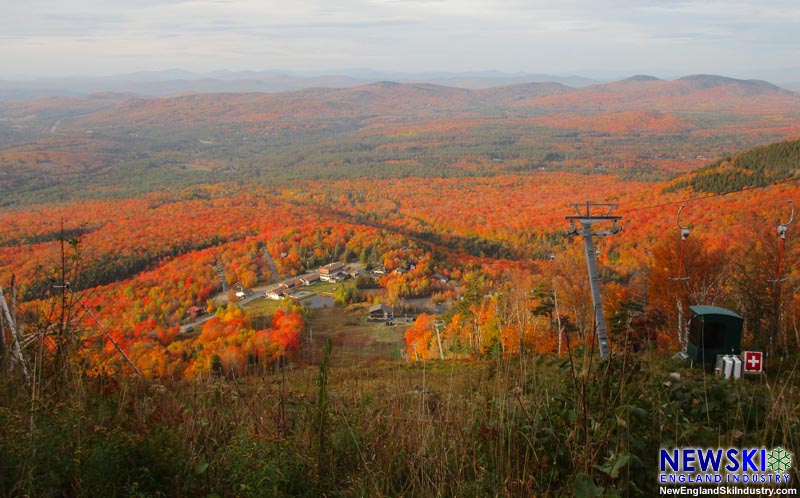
{"x":587,"y":219}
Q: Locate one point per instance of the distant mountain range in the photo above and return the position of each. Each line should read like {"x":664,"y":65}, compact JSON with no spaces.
{"x":636,"y":103}
{"x":696,"y":92}
{"x":421,"y":101}
{"x":176,"y":81}
{"x":172,"y":82}
{"x":504,"y":86}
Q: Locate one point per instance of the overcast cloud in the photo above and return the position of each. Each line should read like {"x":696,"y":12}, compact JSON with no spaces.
{"x":599,"y":38}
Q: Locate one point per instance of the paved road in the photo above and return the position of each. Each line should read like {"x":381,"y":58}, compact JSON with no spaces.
{"x":221,"y":299}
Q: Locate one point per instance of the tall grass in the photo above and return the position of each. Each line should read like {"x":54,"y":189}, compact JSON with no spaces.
{"x":534,"y":426}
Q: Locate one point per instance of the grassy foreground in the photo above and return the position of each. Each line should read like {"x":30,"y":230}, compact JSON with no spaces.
{"x":535,"y":426}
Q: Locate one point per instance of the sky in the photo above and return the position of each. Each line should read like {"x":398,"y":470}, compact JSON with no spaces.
{"x":593,"y":38}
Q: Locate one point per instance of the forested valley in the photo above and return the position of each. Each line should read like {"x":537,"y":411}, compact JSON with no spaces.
{"x":376,"y":291}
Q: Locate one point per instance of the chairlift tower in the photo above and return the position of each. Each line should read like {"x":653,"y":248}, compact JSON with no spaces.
{"x":586,"y":218}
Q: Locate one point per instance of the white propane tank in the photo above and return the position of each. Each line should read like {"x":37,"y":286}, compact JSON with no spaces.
{"x":727,"y":366}
{"x":737,"y":367}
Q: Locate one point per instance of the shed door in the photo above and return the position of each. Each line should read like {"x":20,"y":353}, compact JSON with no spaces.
{"x":714,"y":335}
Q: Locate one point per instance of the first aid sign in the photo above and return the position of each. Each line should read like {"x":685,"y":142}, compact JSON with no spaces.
{"x":753,"y":361}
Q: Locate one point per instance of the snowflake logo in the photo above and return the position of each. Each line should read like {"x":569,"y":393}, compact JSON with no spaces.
{"x":779,"y":460}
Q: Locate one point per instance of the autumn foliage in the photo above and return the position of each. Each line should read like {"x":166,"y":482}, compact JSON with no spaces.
{"x":452,"y":206}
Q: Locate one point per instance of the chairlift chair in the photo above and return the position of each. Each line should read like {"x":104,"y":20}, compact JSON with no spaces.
{"x":684,"y":235}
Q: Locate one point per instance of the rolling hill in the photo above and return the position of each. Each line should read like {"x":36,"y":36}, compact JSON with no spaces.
{"x":757,"y":167}
{"x":641,"y":127}
{"x":690,"y":93}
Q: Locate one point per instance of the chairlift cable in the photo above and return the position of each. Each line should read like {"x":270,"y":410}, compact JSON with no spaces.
{"x":710,"y":196}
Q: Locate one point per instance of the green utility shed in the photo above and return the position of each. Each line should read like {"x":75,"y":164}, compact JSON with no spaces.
{"x":712,"y":331}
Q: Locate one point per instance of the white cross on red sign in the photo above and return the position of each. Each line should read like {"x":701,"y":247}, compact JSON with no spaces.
{"x":753,"y":361}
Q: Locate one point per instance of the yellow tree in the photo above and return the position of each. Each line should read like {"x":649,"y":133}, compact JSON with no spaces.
{"x":671,"y":291}
{"x":419,"y":337}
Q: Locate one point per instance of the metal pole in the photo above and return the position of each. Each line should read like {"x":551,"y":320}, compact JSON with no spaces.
{"x":594,"y":282}
{"x":587,"y":219}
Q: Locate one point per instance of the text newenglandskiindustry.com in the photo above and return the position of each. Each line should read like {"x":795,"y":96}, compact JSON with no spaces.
{"x":725,"y":491}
